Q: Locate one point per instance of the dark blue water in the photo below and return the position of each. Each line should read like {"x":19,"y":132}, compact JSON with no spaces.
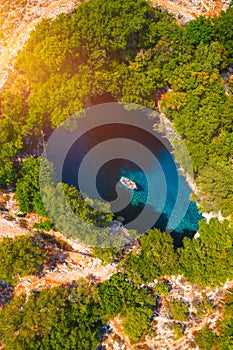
{"x":107,"y":180}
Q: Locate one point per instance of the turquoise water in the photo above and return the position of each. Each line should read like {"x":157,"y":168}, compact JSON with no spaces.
{"x":167,"y":198}
{"x":184,"y":221}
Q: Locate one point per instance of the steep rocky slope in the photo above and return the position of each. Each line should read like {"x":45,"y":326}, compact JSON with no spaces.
{"x":17,"y":19}
{"x":186,"y":10}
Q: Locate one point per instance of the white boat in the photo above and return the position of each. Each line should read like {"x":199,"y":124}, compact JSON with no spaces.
{"x":128,"y":183}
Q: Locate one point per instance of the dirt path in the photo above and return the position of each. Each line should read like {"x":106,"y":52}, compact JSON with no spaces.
{"x":177,"y":10}
{"x":10,"y":229}
{"x":74,"y":267}
{"x":64,"y":266}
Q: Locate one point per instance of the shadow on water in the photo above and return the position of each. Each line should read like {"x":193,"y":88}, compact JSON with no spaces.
{"x":161,"y":223}
{"x":177,"y":234}
{"x":139,"y":188}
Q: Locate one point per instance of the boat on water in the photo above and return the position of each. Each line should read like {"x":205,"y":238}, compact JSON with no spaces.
{"x":128,"y":183}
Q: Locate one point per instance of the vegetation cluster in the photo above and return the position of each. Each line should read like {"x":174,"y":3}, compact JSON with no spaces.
{"x":131,"y":51}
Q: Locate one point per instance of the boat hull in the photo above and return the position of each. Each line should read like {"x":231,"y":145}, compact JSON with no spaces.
{"x":128,"y":183}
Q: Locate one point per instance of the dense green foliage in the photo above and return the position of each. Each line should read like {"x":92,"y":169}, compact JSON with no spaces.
{"x":216,"y":185}
{"x":108,"y":255}
{"x":19,"y":257}
{"x":224,"y":31}
{"x":199,"y":31}
{"x":12,"y":131}
{"x":72,"y":317}
{"x":206,"y":339}
{"x":208,"y":260}
{"x":205,"y":261}
{"x":161,"y":289}
{"x":176,"y":327}
{"x":83,"y":209}
{"x":135,"y":305}
{"x":29,"y":196}
{"x":177,"y":310}
{"x":58,"y":318}
{"x":157,"y":258}
{"x":81,"y":219}
{"x":202,"y":112}
{"x":28,"y":188}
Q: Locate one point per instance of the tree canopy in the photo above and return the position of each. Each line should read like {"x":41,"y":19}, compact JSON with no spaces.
{"x":207,"y":260}
{"x":63,"y":317}
{"x":19,"y":257}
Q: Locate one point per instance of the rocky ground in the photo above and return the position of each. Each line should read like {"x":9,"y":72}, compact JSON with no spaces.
{"x":67,"y":264}
{"x":17,"y":19}
{"x":75,"y":260}
{"x":162,"y":336}
{"x":186,"y":10}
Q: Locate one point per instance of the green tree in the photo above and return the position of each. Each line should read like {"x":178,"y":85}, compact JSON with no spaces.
{"x":177,"y":310}
{"x":157,"y":258}
{"x":216,"y":184}
{"x":19,"y":257}
{"x":161,"y":289}
{"x":206,"y":339}
{"x":12,"y":131}
{"x":136,"y":321}
{"x":223,"y":29}
{"x":66,"y":317}
{"x":120,"y":296}
{"x":199,"y":31}
{"x":176,"y":327}
{"x":28,"y":187}
{"x":207,"y":260}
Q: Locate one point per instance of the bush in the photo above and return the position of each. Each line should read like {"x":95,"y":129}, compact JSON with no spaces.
{"x":19,"y":257}
{"x":178,"y":333}
{"x":177,"y":310}
{"x":206,"y":339}
{"x":134,"y":305}
{"x":58,"y":318}
{"x":157,"y":258}
{"x":161,"y":289}
{"x":45,"y":225}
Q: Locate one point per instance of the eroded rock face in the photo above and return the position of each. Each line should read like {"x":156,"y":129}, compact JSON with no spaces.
{"x":186,"y":10}
{"x":17,"y":19}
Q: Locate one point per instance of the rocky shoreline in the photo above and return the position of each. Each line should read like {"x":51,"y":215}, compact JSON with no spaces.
{"x":167,"y":127}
